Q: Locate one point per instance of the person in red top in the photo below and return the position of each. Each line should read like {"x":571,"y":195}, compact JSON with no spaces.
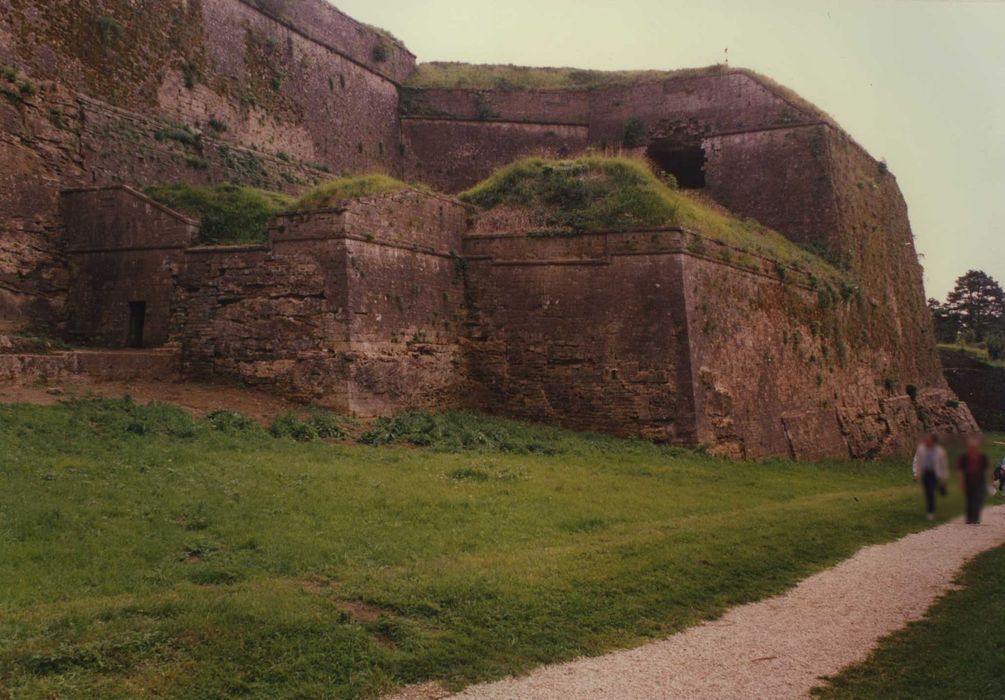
{"x":973,"y":470}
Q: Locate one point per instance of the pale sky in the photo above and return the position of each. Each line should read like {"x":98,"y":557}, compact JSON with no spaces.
{"x":920,"y":83}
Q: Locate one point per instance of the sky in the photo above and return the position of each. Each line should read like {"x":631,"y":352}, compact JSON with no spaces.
{"x":920,"y":83}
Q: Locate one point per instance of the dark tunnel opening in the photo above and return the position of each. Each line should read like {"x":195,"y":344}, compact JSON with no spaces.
{"x":685,"y":164}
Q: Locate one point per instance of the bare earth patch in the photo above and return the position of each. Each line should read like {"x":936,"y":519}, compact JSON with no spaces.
{"x":423,"y":691}
{"x":781,"y":647}
{"x":357,"y":609}
{"x":197,"y":398}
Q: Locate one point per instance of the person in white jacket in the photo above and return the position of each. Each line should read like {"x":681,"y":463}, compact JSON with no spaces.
{"x":931,"y":468}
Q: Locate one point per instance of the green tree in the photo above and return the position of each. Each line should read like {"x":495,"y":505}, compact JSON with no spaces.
{"x":947,"y":325}
{"x":978,"y":303}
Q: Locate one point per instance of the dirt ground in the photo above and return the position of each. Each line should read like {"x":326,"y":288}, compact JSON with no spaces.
{"x":196,"y":397}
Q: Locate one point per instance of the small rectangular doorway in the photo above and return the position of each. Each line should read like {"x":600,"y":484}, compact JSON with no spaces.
{"x":137,"y":317}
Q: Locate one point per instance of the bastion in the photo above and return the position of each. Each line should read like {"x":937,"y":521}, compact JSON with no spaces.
{"x":414,"y":299}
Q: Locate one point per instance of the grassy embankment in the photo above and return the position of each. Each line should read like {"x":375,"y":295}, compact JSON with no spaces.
{"x":599,"y":193}
{"x":146,"y":553}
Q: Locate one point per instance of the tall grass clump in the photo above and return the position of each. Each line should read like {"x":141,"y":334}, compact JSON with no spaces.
{"x":316,"y":425}
{"x":336,"y":192}
{"x":229,"y":214}
{"x":456,"y":431}
{"x":116,"y":418}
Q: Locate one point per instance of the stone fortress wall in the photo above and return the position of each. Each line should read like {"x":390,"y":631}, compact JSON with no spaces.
{"x":273,"y":93}
{"x":358,"y":309}
{"x":405,"y":300}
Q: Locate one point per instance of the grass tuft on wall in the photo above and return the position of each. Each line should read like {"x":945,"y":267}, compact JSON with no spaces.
{"x":229,"y":214}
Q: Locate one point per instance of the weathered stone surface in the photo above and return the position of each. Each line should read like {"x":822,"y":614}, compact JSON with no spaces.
{"x":653,"y":338}
{"x":103,"y":365}
{"x":148,"y":92}
{"x":359,"y":308}
{"x":409,"y":299}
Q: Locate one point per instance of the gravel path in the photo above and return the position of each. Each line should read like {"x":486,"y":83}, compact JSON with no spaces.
{"x":777,"y":648}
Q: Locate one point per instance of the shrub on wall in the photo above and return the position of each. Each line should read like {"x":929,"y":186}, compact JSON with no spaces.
{"x":634,"y":134}
{"x":109,"y":29}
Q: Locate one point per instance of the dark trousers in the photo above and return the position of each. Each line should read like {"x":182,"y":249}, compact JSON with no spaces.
{"x":976,"y":491}
{"x":930,"y":482}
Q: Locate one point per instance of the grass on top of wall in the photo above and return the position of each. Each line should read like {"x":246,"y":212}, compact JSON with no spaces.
{"x":236,"y":215}
{"x":601,"y":193}
{"x":977,"y":352}
{"x":152,"y":554}
{"x":452,"y":75}
{"x":334,"y":193}
{"x":229,"y":214}
{"x":446,"y":75}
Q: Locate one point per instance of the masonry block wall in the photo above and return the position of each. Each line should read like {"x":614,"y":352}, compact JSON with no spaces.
{"x":565,"y":332}
{"x":455,"y":138}
{"x":122,"y":249}
{"x":357,"y":309}
{"x":269,"y":93}
{"x":267,"y":318}
{"x":777,"y":372}
{"x":406,"y":298}
{"x":391,"y":302}
{"x":763,"y":152}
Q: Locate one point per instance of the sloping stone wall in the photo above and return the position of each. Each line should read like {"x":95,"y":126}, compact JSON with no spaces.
{"x":640,"y":334}
{"x":777,"y":372}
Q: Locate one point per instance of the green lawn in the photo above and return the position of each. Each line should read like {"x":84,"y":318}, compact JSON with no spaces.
{"x":978,"y":352}
{"x":956,"y":653}
{"x":147,"y":554}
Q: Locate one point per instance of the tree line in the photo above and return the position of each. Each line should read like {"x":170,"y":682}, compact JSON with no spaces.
{"x":972,"y":314}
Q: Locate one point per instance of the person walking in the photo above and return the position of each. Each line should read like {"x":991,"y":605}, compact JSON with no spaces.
{"x":972,"y":467}
{"x":931,"y":468}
